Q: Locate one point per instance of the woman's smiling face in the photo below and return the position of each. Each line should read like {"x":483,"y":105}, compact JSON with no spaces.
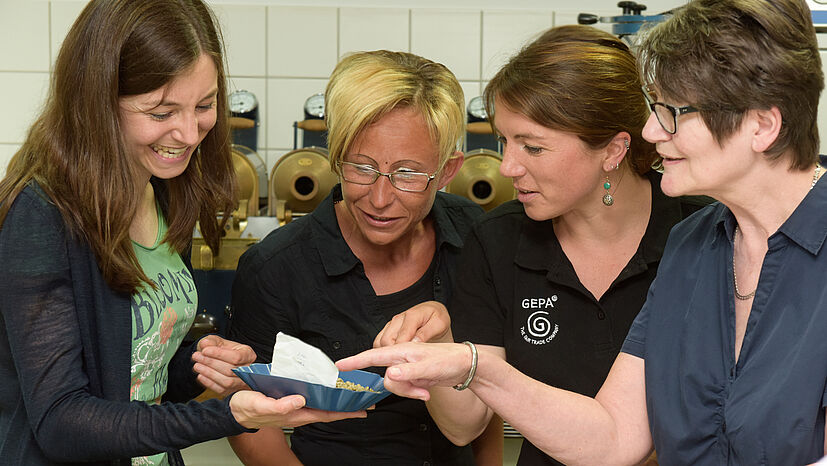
{"x":162,"y":128}
{"x":399,"y":141}
{"x":694,"y":163}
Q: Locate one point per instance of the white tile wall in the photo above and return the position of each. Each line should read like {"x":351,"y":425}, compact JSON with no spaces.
{"x":373,"y":28}
{"x":432,"y":29}
{"x":505,"y":32}
{"x":302,"y":42}
{"x":25,"y":27}
{"x":22,"y":95}
{"x":245,"y":35}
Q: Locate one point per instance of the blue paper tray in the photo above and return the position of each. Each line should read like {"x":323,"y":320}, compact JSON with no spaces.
{"x":258,"y":377}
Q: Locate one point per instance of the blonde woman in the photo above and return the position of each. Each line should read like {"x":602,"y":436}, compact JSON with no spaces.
{"x":385,"y":239}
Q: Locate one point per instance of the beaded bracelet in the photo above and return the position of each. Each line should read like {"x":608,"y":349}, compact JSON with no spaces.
{"x":473,"y":370}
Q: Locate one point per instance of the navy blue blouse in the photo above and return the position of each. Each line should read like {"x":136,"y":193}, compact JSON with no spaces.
{"x":769,"y":407}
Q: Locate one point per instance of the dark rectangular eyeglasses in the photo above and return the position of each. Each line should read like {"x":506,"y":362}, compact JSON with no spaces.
{"x":666,"y":114}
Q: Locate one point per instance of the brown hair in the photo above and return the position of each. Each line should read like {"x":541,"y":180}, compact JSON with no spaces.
{"x":74,"y":150}
{"x":726,"y":57}
{"x":365,"y":86}
{"x":580,"y":80}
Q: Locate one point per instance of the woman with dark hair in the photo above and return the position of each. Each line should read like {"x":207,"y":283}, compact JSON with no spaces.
{"x":725,"y":362}
{"x":553,"y":280}
{"x":97,"y":211}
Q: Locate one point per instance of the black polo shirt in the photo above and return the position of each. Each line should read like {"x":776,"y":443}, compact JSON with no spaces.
{"x":304,"y":280}
{"x":520,"y":292}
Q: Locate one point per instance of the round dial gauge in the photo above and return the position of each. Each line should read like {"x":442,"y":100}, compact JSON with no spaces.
{"x":314,"y":105}
{"x":476,"y":108}
{"x":242,"y":101}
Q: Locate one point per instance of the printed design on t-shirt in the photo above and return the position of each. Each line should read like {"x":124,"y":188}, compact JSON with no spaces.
{"x":539,"y":328}
{"x":169,"y":317}
{"x":149,"y":354}
{"x":159,"y":330}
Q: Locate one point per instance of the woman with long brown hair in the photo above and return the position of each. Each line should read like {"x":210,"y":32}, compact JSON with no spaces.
{"x":97,"y":211}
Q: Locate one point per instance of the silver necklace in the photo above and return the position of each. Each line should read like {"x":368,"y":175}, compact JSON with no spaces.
{"x":744,"y":297}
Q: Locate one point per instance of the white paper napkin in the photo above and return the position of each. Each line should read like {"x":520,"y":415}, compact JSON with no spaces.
{"x":295,"y":359}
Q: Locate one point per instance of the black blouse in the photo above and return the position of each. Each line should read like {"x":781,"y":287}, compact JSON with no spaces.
{"x":520,"y":292}
{"x":304,"y":280}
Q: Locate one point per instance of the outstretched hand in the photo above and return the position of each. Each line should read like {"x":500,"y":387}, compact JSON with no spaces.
{"x":215,"y":360}
{"x":254,"y":410}
{"x":425,"y":322}
{"x":413,"y":368}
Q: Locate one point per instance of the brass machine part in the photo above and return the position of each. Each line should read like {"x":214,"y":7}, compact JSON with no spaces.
{"x":232,"y":247}
{"x":312,"y":125}
{"x":479,"y":127}
{"x":480,"y":180}
{"x":232,"y":244}
{"x":299,"y":181}
{"x":242,"y":123}
{"x":247,"y":178}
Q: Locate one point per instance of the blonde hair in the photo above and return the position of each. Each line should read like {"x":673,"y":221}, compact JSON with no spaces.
{"x":365,"y":86}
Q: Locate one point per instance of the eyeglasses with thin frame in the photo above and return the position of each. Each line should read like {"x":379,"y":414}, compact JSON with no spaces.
{"x":666,"y":114}
{"x":363,"y":174}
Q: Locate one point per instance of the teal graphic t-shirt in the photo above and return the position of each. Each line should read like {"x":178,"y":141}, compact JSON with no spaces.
{"x":161,"y":318}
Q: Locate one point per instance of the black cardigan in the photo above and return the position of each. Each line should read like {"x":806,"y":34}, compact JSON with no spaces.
{"x":65,"y":356}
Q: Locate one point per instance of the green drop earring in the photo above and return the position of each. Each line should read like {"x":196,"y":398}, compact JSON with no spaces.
{"x":607,"y":198}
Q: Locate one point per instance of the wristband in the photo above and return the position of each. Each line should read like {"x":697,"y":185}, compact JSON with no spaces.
{"x":473,"y":370}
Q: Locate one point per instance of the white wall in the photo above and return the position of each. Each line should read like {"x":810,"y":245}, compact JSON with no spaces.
{"x":283,"y":51}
